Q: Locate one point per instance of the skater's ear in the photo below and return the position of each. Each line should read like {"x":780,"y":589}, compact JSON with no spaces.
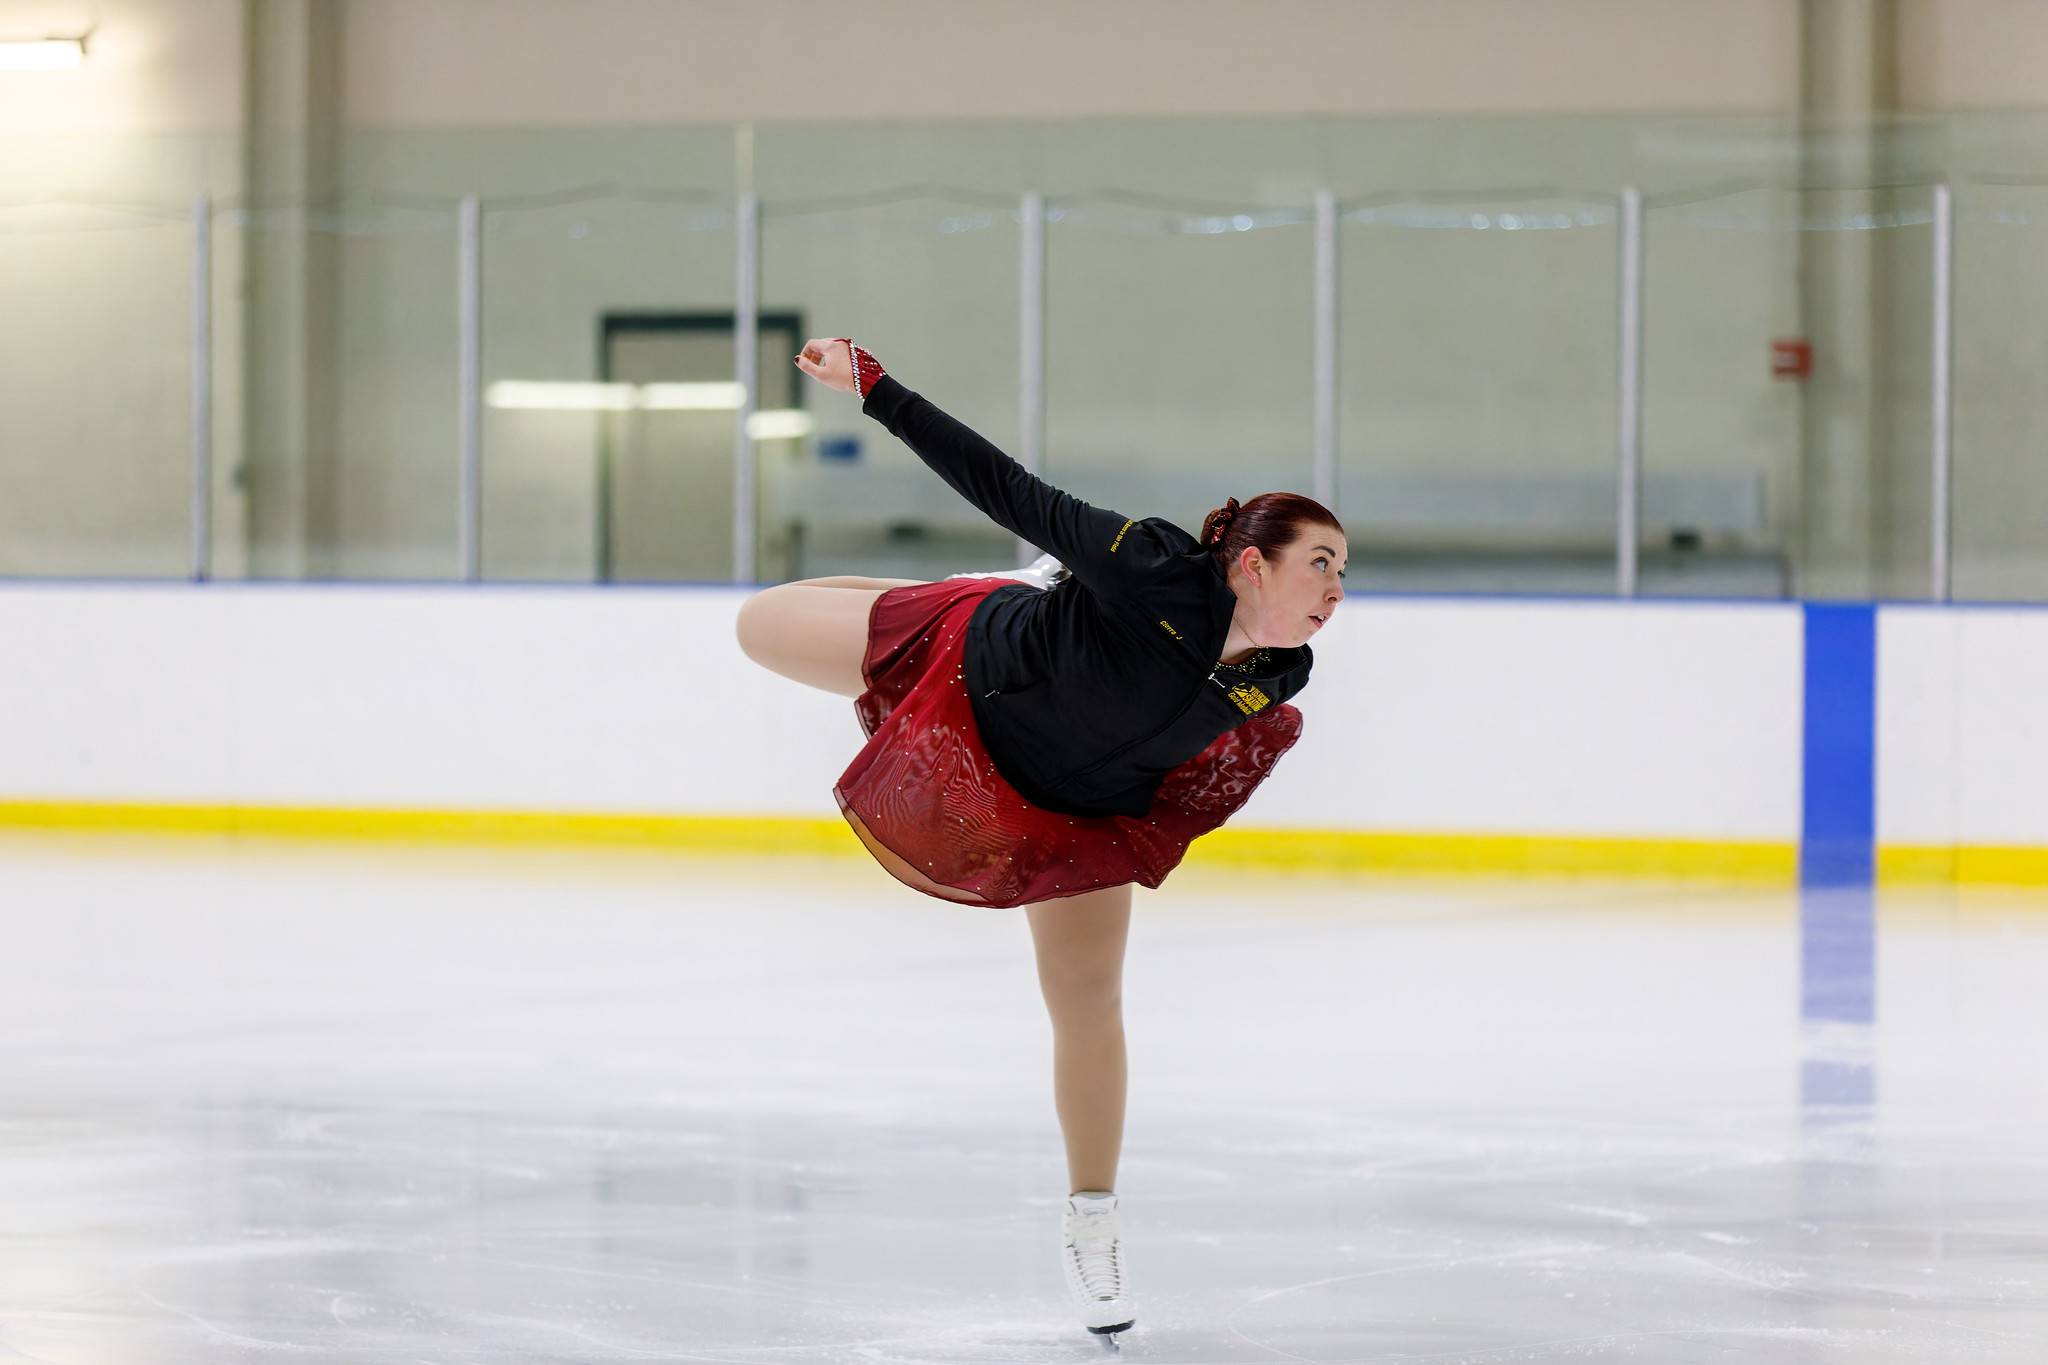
{"x":1252,"y":563}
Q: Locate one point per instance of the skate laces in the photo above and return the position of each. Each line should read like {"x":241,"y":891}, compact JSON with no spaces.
{"x":1092,"y":1247}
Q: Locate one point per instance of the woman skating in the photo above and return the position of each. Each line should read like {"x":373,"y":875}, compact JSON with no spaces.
{"x":1049,"y":738}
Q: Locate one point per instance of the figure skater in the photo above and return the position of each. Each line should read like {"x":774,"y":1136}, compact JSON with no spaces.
{"x":1047,"y":738}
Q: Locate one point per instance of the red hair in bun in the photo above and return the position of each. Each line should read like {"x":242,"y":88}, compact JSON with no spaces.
{"x":1270,"y":521}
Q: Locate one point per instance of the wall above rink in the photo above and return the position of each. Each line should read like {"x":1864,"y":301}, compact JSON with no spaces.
{"x":1659,"y":738}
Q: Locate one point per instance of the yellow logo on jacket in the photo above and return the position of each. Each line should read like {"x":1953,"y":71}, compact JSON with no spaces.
{"x":1120,"y":535}
{"x":1167,"y":626}
{"x":1249,"y":699}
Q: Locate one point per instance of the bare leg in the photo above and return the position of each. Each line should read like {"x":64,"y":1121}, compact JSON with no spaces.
{"x":1080,"y":945}
{"x":815,"y":631}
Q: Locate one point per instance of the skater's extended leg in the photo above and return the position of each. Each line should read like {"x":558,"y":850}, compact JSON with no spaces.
{"x":816,"y":631}
{"x":1080,"y":947}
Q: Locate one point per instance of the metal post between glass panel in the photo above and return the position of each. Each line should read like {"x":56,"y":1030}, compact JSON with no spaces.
{"x":1031,"y":344}
{"x":202,"y":389}
{"x":746,"y":370}
{"x":1942,"y":398}
{"x":469,"y":380}
{"x":1325,"y":385}
{"x":1629,"y":397}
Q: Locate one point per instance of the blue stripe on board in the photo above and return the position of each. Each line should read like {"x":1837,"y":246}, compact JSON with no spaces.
{"x":1839,"y":799}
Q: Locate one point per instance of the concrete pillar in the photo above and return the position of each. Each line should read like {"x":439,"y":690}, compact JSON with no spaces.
{"x":291,"y":302}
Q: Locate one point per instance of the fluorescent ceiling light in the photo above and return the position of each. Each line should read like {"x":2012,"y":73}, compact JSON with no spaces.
{"x":553,"y":395}
{"x":42,"y":54}
{"x":780,"y":424}
{"x":693,"y":397}
{"x":549,"y":395}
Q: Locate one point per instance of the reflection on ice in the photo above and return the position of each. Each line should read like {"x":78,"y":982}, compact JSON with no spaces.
{"x":1837,"y":998}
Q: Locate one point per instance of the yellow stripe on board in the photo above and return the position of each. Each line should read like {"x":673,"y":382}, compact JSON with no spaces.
{"x":1915,"y":864}
{"x":1976,"y":864}
{"x":1329,"y":851}
{"x":2005,"y":866}
{"x":774,"y":834}
{"x":1295,"y":850}
{"x":1498,"y":855}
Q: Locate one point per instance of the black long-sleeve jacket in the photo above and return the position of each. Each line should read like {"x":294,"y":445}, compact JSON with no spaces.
{"x":1089,"y":694}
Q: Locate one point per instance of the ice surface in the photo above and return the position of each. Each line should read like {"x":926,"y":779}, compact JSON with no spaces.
{"x":261,"y":1103}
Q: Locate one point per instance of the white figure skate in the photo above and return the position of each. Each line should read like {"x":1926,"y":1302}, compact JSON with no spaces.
{"x":1092,"y":1251}
{"x":1040,"y":573}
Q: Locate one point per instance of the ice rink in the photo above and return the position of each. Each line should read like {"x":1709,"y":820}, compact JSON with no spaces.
{"x":315,"y":1103}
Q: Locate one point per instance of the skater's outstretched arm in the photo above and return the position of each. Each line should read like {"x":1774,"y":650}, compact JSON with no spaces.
{"x":1104,"y":549}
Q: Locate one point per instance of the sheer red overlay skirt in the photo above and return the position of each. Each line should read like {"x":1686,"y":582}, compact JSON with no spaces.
{"x":925,"y":789}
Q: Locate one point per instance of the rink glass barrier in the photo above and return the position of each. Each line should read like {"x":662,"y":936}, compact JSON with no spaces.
{"x":589,"y":473}
{"x":2001,"y":548}
{"x":95,"y":370}
{"x":347,"y":391}
{"x":1477,"y":351}
{"x":1477,"y":358}
{"x":1186,"y":378}
{"x":924,"y":276}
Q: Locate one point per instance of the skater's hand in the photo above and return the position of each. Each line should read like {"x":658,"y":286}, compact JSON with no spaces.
{"x":829,"y":361}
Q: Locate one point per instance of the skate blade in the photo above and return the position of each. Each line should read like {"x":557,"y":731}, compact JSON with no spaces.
{"x":1107,"y":1336}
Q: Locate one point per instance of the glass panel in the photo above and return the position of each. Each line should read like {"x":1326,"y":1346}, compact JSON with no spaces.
{"x":1477,"y":381}
{"x":928,"y":281}
{"x":95,"y":384}
{"x":583,"y":481}
{"x":2001,"y":413}
{"x":1721,"y":426}
{"x":654,"y":206}
{"x":1180,"y":352}
{"x":1477,"y":334}
{"x":393,"y":497}
{"x":1866,"y":271}
{"x":350,"y":335}
{"x":1180,"y":309}
{"x":1787,"y":448}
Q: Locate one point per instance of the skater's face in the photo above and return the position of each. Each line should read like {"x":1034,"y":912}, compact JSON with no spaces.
{"x":1284,"y":598}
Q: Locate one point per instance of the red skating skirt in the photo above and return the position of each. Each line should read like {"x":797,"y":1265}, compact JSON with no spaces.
{"x":926,"y":789}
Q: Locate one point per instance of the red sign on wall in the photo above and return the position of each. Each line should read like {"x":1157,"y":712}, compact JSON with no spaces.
{"x":1791,"y":358}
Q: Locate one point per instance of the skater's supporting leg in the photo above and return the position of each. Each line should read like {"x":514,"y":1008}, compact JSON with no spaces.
{"x":1080,"y":946}
{"x":815,"y":632}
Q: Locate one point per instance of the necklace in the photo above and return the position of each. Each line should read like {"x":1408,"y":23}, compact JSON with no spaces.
{"x":1257,"y":661}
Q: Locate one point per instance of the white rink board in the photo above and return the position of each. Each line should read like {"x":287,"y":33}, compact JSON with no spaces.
{"x":1676,"y":720}
{"x":1436,"y":715}
{"x":623,"y":700}
{"x":1440,"y":715}
{"x":1962,"y":726}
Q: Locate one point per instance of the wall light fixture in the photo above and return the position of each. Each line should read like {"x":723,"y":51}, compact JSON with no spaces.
{"x":41,"y":54}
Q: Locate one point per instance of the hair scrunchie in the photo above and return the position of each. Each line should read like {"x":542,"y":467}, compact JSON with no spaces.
{"x":1217,"y":523}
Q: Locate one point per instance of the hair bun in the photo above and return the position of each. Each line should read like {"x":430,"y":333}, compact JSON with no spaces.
{"x":1217,"y":522}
